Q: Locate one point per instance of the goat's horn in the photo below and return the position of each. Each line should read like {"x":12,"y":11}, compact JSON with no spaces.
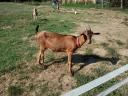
{"x":89,"y":27}
{"x":86,"y":28}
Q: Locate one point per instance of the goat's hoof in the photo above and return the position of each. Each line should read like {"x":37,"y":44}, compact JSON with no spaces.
{"x":43,"y":66}
{"x":38,"y":63}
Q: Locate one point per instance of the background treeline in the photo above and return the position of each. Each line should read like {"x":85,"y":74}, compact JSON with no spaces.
{"x":24,"y":0}
{"x":112,"y":3}
{"x":117,"y":3}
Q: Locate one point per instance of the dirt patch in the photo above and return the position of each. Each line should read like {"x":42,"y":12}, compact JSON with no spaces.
{"x":123,"y":52}
{"x":125,"y":21}
{"x":57,"y":77}
{"x":100,"y":51}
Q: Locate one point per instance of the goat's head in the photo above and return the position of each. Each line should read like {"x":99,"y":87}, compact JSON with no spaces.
{"x":89,"y":33}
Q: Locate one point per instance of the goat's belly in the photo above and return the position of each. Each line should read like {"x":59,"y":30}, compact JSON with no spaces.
{"x":58,"y":50}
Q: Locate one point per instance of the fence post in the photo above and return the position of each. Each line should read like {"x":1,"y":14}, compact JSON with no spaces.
{"x":121,"y":5}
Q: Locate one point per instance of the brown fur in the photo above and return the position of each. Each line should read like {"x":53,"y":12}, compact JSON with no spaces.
{"x":59,"y":43}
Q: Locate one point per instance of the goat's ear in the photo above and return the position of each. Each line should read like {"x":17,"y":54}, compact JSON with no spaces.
{"x":85,"y":32}
{"x":81,"y":33}
{"x":96,"y":33}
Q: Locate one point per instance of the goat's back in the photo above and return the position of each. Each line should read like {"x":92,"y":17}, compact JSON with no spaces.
{"x":56,"y":42}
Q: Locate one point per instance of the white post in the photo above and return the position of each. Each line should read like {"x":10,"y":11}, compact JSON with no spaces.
{"x":75,"y":1}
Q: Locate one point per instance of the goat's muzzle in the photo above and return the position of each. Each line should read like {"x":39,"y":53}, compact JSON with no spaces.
{"x":89,"y":42}
{"x":96,"y":33}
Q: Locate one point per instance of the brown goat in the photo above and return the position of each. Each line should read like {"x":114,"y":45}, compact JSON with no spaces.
{"x":61,"y":43}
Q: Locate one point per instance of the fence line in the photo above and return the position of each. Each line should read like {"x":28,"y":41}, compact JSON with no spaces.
{"x":114,"y":87}
{"x":84,"y":88}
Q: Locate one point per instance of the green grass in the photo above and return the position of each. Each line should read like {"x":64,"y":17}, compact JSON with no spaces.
{"x":98,"y":72}
{"x":83,"y":79}
{"x":112,"y":52}
{"x":122,"y":91}
{"x":16,"y":24}
{"x":12,"y":47}
{"x":54,"y":94}
{"x":54,"y":25}
{"x":15,"y":90}
{"x":50,"y":56}
{"x":88,"y":51}
{"x":18,"y":47}
{"x":36,"y":68}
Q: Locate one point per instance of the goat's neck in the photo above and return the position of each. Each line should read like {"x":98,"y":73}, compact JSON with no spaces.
{"x":82,"y":39}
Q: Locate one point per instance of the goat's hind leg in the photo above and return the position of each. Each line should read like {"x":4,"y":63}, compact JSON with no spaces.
{"x":70,"y":63}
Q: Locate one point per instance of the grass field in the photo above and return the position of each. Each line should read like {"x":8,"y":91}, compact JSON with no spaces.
{"x":19,"y":73}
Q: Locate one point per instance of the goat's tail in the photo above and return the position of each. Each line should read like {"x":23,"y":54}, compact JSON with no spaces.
{"x":37,"y":27}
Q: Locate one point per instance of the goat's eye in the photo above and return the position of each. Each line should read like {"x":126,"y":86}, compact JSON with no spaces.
{"x":89,"y":33}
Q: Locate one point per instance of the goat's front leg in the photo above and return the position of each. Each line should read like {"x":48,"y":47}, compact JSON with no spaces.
{"x":70,"y":62}
{"x":40,"y":57}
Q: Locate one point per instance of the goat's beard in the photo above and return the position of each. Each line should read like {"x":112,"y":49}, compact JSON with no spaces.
{"x":89,"y":42}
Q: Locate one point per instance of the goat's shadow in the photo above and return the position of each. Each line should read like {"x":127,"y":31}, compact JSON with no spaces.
{"x":85,"y":60}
